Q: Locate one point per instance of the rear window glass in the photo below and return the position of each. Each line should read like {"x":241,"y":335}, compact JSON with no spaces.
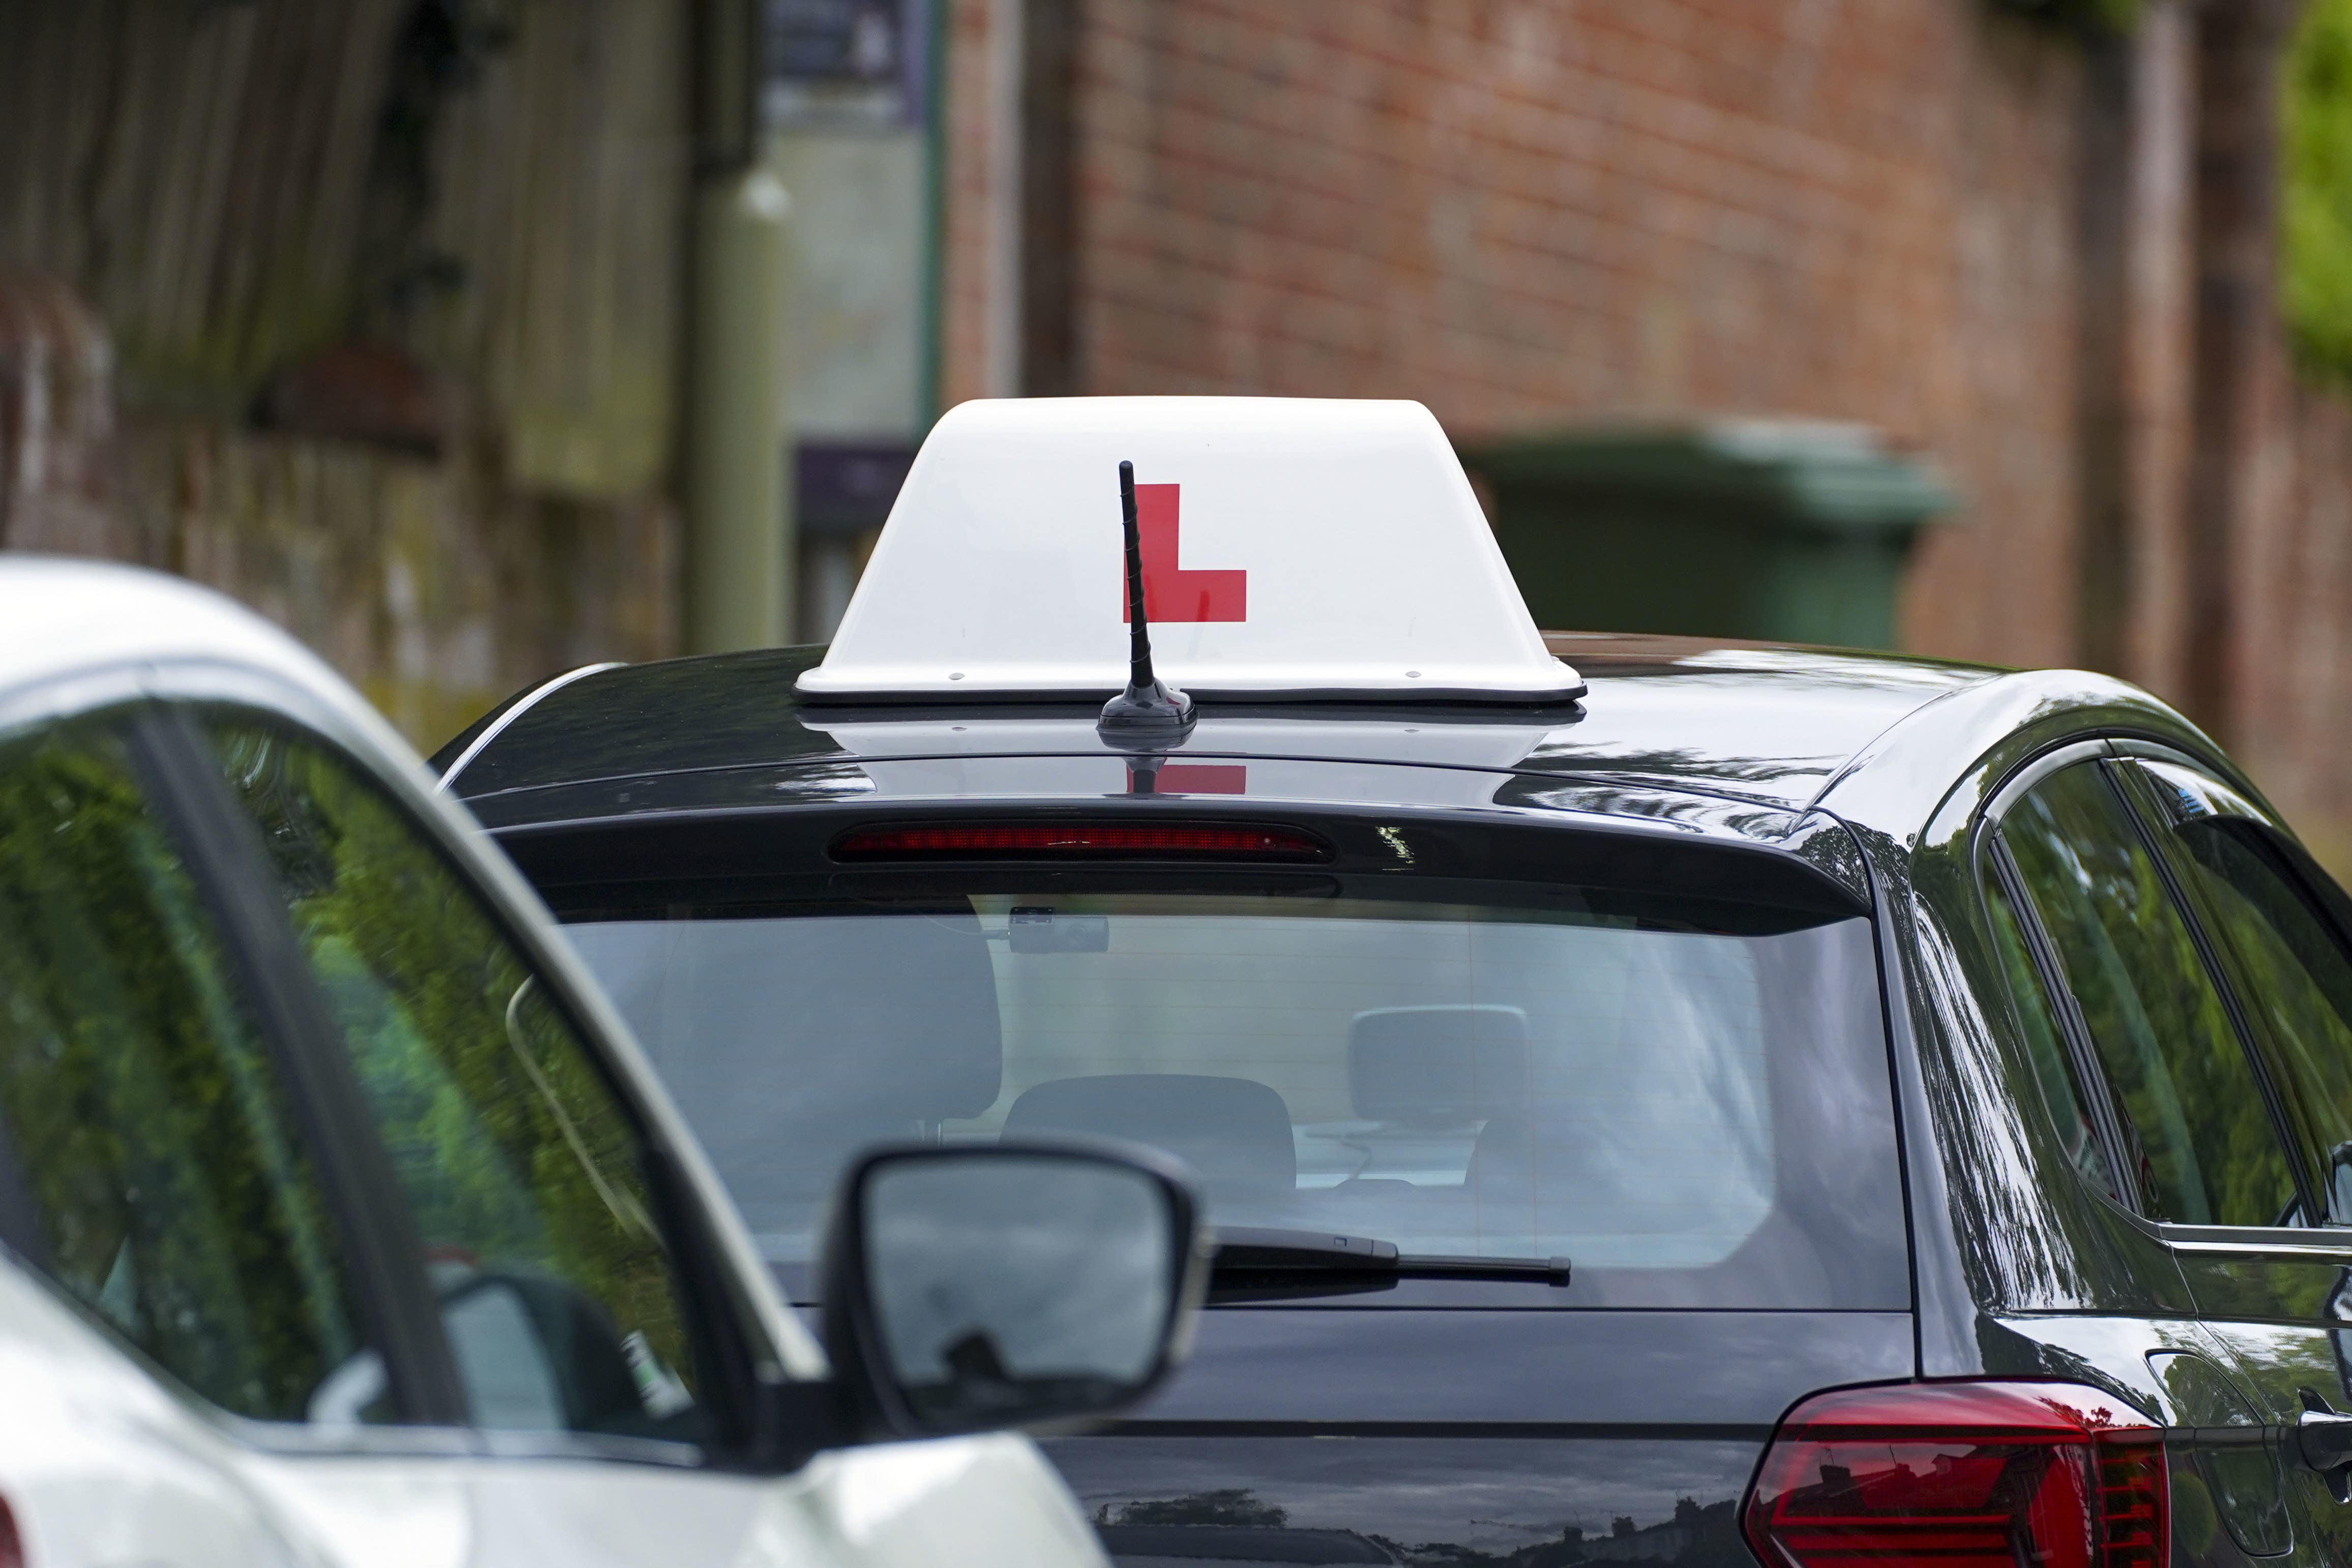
{"x":1691,"y":1113}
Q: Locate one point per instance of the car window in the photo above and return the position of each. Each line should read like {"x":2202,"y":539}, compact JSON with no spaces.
{"x":527,"y":1177}
{"x":153,"y":1133}
{"x":2285,"y":954}
{"x":2045,"y":1045}
{"x":1689,"y":1103}
{"x":2209,"y":1150}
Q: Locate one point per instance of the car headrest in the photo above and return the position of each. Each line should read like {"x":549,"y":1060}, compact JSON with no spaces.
{"x":807,"y":1022}
{"x":924,"y":1044}
{"x":1234,"y":1131}
{"x":1454,"y":1064}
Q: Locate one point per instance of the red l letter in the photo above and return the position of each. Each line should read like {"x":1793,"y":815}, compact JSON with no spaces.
{"x":1170,"y":592}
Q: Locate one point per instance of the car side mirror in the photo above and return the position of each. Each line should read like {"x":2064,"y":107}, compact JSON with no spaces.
{"x":1017,"y":1284}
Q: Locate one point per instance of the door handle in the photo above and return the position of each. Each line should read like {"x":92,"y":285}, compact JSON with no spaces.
{"x":2324,"y":1440}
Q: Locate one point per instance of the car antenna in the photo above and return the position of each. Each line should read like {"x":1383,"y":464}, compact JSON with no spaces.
{"x":1149,"y":706}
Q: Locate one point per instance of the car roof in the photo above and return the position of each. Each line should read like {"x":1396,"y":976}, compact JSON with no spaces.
{"x":1764,"y":724}
{"x":62,"y":618}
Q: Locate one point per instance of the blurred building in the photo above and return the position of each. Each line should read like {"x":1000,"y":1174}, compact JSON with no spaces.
{"x":459,"y":334}
{"x":385,"y":300}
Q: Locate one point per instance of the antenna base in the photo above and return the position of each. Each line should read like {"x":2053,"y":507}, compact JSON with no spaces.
{"x":1142,"y":711}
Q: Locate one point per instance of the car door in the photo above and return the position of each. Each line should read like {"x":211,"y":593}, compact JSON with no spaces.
{"x":598,"y":1365}
{"x":2276,"y":926}
{"x":2180,"y":1126}
{"x":162,"y":1170}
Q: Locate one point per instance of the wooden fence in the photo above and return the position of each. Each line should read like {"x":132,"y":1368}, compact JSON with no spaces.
{"x":390,"y":293}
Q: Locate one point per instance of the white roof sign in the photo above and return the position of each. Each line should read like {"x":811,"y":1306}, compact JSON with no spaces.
{"x":1292,"y":547}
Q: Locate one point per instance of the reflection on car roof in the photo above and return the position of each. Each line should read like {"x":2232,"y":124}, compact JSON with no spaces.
{"x":1765,"y":725}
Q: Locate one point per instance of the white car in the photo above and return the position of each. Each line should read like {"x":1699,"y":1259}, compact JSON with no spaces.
{"x":344,"y":1224}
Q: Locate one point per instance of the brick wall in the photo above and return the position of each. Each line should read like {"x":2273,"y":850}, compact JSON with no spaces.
{"x":978,"y":253}
{"x":1525,"y":212}
{"x":2295,"y":659}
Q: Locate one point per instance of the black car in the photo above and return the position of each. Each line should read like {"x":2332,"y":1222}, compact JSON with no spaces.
{"x":1582,"y":1091}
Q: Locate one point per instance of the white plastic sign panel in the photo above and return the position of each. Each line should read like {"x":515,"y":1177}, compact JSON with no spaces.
{"x":1292,"y":547}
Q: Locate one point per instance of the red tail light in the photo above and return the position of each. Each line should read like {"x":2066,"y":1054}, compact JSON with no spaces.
{"x":1034,"y":841}
{"x":12,"y":1545}
{"x":1961,"y":1475}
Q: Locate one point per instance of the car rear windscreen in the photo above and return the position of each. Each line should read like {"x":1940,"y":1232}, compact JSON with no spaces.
{"x":1693,"y":1110}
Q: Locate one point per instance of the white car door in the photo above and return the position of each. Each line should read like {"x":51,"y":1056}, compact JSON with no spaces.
{"x":153,"y":1170}
{"x":101,"y":1463}
{"x":985,"y":1502}
{"x":98,"y":1465}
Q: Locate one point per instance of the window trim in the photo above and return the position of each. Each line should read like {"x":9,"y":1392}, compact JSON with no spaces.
{"x":2107,"y":1122}
{"x":2332,"y":1242}
{"x":1991,"y":855}
{"x":2280,"y":843}
{"x":224,"y":853}
{"x":2032,"y":771}
{"x":1991,"y":858}
{"x":494,"y":725}
{"x":2209,"y":955}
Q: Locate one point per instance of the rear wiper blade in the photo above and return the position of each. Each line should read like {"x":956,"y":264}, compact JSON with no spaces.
{"x":1269,"y":1253}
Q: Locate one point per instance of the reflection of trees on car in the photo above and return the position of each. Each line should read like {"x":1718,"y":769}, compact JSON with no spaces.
{"x":143,"y":1112}
{"x":2293,"y":977}
{"x":2209,"y":1152}
{"x":513,"y":1151}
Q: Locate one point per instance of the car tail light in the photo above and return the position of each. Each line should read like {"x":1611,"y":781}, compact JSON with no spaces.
{"x":1032,"y":841}
{"x":12,"y":1545}
{"x":1961,"y":1475}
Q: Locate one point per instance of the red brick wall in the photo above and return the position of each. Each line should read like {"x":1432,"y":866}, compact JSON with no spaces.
{"x":2293,"y":728}
{"x":1526,"y":212}
{"x":976,"y":273}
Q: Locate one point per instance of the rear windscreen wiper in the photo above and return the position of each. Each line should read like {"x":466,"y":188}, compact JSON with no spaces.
{"x":1258,"y":1264}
